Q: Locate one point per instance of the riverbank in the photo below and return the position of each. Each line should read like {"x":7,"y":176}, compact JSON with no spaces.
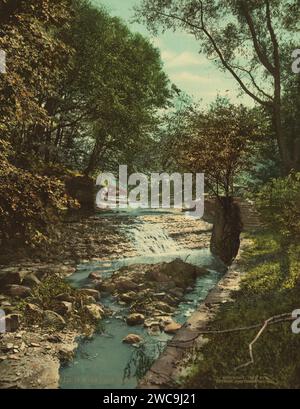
{"x":260,"y":316}
{"x":174,"y":362}
{"x":31,"y":355}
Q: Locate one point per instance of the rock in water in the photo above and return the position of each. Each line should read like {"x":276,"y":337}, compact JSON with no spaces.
{"x":135,"y":319}
{"x":132,"y":339}
{"x":94,"y":276}
{"x":172,"y":328}
{"x":90,"y":292}
{"x":94,"y":311}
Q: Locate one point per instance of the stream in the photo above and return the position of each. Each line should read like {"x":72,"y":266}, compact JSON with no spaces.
{"x":104,"y":362}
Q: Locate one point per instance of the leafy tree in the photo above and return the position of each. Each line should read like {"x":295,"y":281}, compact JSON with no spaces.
{"x":36,"y":59}
{"x":249,"y":39}
{"x":219,"y":143}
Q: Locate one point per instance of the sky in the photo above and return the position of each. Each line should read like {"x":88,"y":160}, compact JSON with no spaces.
{"x":192,"y":72}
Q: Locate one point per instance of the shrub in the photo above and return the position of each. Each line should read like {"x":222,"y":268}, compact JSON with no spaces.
{"x":279,"y":205}
{"x":29,"y":204}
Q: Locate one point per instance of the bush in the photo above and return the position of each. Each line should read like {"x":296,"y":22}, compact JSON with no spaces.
{"x":279,"y":205}
{"x":29,"y":204}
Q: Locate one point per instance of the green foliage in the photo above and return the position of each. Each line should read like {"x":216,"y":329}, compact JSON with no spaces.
{"x":44,"y":295}
{"x":264,"y":293}
{"x":217,"y":142}
{"x":29,"y":203}
{"x":279,"y":205}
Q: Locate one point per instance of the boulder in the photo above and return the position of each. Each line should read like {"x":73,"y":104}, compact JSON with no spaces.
{"x":90,"y":292}
{"x":178,"y":273}
{"x":172,"y":328}
{"x":94,"y":311}
{"x":135,"y":319}
{"x":132,"y":339}
{"x":53,"y":319}
{"x":15,"y":290}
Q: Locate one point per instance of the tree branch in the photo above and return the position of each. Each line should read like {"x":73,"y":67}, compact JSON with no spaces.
{"x":219,"y":52}
{"x":261,"y":55}
{"x":272,"y":320}
{"x":253,"y":81}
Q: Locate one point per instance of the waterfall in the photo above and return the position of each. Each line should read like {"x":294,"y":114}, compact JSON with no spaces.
{"x":150,"y":238}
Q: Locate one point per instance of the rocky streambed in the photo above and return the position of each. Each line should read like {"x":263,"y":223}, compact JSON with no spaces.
{"x":132,"y":281}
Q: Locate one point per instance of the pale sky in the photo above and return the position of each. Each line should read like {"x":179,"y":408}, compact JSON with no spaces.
{"x":189,"y":70}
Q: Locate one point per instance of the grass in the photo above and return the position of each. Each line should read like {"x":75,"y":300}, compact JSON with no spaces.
{"x":265,"y":292}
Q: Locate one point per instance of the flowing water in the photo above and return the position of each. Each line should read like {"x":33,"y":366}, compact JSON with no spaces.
{"x":102,"y":362}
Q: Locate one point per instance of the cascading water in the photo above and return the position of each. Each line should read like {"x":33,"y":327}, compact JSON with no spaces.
{"x":100,"y":362}
{"x":151,"y":238}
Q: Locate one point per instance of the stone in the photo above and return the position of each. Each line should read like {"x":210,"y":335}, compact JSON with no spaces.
{"x":162,"y":306}
{"x":31,"y":281}
{"x":150,"y":322}
{"x":128,"y":297}
{"x":135,"y":319}
{"x":132,"y":339}
{"x":126,"y":285}
{"x":90,"y":292}
{"x":35,"y":345}
{"x":51,"y":318}
{"x":17,"y":291}
{"x":164,"y":321}
{"x":94,"y":311}
{"x":65,"y":297}
{"x":33,"y":311}
{"x":172,"y":328}
{"x":94,"y":276}
{"x":63,"y":307}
